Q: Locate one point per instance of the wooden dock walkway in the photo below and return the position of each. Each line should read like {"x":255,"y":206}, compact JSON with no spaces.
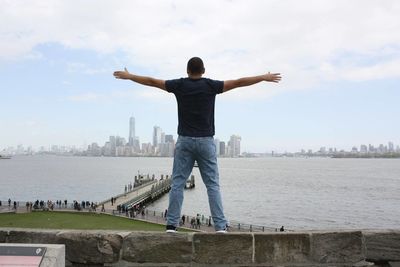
{"x":143,"y":193}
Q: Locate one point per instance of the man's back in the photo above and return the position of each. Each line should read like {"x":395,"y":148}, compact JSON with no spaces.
{"x":196,"y":101}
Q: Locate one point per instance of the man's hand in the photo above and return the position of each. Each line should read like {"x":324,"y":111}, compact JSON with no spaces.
{"x":246,"y":81}
{"x":272,"y":77}
{"x":149,"y":81}
{"x":125,"y":75}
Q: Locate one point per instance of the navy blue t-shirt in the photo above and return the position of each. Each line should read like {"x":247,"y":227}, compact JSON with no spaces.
{"x":196,"y":101}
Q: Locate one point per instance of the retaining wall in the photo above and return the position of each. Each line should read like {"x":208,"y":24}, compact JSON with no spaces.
{"x":117,"y":248}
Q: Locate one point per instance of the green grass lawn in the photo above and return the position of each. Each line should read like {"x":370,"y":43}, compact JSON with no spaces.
{"x":74,"y":220}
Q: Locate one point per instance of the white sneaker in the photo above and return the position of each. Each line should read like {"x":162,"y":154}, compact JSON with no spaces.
{"x":171,"y":229}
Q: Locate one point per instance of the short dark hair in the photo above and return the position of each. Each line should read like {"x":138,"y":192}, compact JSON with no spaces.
{"x":195,"y":65}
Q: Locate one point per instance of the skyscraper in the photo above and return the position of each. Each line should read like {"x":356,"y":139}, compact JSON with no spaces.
{"x":113,"y":145}
{"x":132,"y":137}
{"x":222,"y":148}
{"x":234,"y":145}
{"x":156,"y":136}
{"x":216,"y":142}
{"x":391,"y":147}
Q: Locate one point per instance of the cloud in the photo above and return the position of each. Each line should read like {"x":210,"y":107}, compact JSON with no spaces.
{"x":303,"y":40}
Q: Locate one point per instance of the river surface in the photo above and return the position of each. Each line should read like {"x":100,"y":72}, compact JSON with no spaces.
{"x":299,"y":193}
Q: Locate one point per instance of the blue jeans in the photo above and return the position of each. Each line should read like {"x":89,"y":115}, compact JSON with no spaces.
{"x":187,"y":151}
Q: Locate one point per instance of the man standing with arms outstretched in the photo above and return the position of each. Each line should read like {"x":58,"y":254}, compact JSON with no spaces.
{"x":195,"y":97}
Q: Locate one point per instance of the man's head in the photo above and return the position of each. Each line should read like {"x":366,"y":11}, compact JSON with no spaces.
{"x":195,"y":67}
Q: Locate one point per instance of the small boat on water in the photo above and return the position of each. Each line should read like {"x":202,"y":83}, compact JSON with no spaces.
{"x":5,"y":157}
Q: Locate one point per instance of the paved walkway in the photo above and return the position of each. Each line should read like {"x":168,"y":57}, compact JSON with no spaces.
{"x":157,"y":218}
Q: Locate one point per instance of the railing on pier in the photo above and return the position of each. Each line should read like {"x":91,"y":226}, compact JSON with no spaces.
{"x":123,"y":194}
{"x":244,"y":227}
{"x":157,"y":190}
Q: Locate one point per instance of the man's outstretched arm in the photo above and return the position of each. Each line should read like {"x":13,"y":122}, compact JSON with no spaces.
{"x":149,"y":81}
{"x":246,"y":81}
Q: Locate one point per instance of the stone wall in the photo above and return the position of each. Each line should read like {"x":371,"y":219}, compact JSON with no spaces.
{"x":116,"y":248}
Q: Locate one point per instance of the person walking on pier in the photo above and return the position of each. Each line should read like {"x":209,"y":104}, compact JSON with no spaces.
{"x":195,"y":97}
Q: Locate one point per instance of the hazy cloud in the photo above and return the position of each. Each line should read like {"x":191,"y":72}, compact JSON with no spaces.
{"x":302,"y":39}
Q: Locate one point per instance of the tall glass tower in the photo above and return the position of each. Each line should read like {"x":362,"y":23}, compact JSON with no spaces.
{"x":131,"y":131}
{"x":156,"y":136}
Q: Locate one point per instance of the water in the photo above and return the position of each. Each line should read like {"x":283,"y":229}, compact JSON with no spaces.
{"x":299,"y":193}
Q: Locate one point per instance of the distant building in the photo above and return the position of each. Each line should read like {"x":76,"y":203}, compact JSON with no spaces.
{"x":94,"y":150}
{"x":363,"y":149}
{"x":234,"y":146}
{"x":147,"y":148}
{"x":391,"y":147}
{"x":156,"y":136}
{"x":222,"y":148}
{"x":132,"y":136}
{"x":113,"y":146}
{"x":217,"y":148}
{"x":371,"y":148}
{"x":162,"y":138}
{"x":167,"y":147}
{"x":169,"y":138}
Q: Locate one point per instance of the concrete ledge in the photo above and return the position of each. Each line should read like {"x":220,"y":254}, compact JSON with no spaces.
{"x":223,"y":248}
{"x":91,"y":247}
{"x":113,"y":248}
{"x":337,"y":247}
{"x":282,"y":248}
{"x":3,"y":236}
{"x":142,"y":247}
{"x":33,"y":236}
{"x":382,"y":245}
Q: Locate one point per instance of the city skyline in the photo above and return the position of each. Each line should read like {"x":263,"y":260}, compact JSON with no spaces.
{"x":163,"y":145}
{"x":231,"y":148}
{"x":340,"y":75}
{"x":380,"y":148}
{"x":131,"y":146}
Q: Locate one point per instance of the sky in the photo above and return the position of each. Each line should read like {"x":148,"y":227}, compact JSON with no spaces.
{"x":340,"y":63}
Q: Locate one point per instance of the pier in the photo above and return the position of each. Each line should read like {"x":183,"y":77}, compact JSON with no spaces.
{"x":139,"y":195}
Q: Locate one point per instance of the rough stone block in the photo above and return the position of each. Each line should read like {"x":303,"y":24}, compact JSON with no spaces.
{"x":33,"y":236}
{"x":337,"y":247}
{"x":3,"y":236}
{"x":228,"y":248}
{"x":282,"y":248}
{"x":153,"y":247}
{"x":87,"y":247}
{"x":383,"y":246}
